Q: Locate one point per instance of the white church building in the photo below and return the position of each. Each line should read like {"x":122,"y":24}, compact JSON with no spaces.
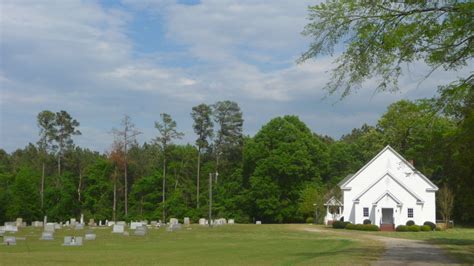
{"x":388,"y":191}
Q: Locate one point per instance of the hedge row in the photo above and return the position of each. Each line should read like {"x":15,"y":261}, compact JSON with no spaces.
{"x":413,"y":228}
{"x":363,"y":227}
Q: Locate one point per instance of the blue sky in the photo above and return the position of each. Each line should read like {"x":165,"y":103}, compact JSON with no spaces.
{"x":99,"y":60}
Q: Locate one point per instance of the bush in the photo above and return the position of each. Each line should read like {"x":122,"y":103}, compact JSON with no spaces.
{"x":413,"y":228}
{"x":339,"y":224}
{"x":425,"y":228}
{"x":410,"y":222}
{"x":363,"y":227}
{"x":430,"y":224}
{"x":367,"y":221}
{"x":402,"y":228}
{"x":309,"y":220}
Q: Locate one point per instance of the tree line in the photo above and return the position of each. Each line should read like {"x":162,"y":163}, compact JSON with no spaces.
{"x":274,"y":176}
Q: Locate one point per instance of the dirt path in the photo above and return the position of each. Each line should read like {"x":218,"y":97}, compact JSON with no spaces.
{"x":401,"y":251}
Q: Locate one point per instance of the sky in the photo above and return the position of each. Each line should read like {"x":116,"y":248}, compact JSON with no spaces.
{"x":99,"y":60}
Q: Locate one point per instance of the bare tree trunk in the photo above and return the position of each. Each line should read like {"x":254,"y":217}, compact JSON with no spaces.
{"x":79,"y":186}
{"x":59,"y":163}
{"x":42,"y":187}
{"x":164,"y":190}
{"x":197,"y":181}
{"x":114,"y":207}
{"x":126,"y":188}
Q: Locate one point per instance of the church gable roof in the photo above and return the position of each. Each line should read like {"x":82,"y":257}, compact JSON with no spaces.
{"x":343,"y":183}
{"x":418,"y":199}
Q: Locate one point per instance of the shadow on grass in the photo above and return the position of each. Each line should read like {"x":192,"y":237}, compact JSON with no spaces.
{"x":460,"y":249}
{"x":344,"y":256}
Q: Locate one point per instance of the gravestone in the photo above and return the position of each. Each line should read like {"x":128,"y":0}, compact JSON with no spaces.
{"x":9,"y":240}
{"x":90,"y":235}
{"x":186,"y":221}
{"x":91,"y":222}
{"x":141,"y":230}
{"x":118,"y":229}
{"x":72,"y":241}
{"x":174,"y":221}
{"x":173,"y":227}
{"x":45,"y":220}
{"x":19,"y":222}
{"x":258,"y":222}
{"x":126,"y":233}
{"x":111,"y":223}
{"x":37,"y":224}
{"x":57,"y":226}
{"x":72,"y":221}
{"x":134,"y":225}
{"x":202,"y":221}
{"x":82,"y":218}
{"x":100,"y":222}
{"x":2,"y":230}
{"x":47,"y":236}
{"x":49,"y":227}
{"x":121,"y":223}
{"x":10,"y":228}
{"x":154,"y":223}
{"x":79,"y":227}
{"x":231,"y":221}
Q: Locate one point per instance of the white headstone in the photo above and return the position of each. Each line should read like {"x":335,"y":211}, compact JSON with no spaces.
{"x":57,"y":226}
{"x":10,"y":228}
{"x":72,"y":241}
{"x":141,"y":230}
{"x":100,"y":222}
{"x":90,"y":236}
{"x":231,"y":221}
{"x":79,"y":227}
{"x":186,"y":221}
{"x":47,"y":236}
{"x":118,"y":228}
{"x":202,"y":221}
{"x":134,"y":225}
{"x":111,"y":223}
{"x":9,"y":240}
{"x":45,"y":220}
{"x":174,"y":221}
{"x":173,"y":227}
{"x":49,"y":227}
{"x":37,"y":224}
{"x":121,"y":223}
{"x":258,"y":222}
{"x":72,"y":221}
{"x":19,"y":222}
{"x":154,"y":223}
{"x":82,"y":218}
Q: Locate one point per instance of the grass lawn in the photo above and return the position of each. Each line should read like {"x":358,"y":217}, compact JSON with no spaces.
{"x":230,"y":244}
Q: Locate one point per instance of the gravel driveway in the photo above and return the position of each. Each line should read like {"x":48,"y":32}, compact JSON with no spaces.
{"x":401,"y":251}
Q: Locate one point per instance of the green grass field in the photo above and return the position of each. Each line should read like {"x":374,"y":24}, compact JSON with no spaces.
{"x":230,"y":244}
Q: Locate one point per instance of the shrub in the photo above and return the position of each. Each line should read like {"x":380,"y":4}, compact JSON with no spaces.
{"x":309,"y":220}
{"x":410,"y":222}
{"x":413,"y":228}
{"x":363,"y":227}
{"x":430,"y":224}
{"x":339,"y":224}
{"x":402,"y":228}
{"x":425,"y":228}
{"x":367,"y":221}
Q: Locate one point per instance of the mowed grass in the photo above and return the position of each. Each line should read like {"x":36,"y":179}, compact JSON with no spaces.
{"x":224,"y":245}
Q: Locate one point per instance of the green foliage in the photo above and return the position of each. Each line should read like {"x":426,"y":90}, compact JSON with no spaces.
{"x":425,"y":228}
{"x":409,"y":228}
{"x":281,"y":159}
{"x":410,"y":222}
{"x":362,"y":227}
{"x":430,"y":224}
{"x":340,"y":224}
{"x":380,"y":37}
{"x":367,"y":221}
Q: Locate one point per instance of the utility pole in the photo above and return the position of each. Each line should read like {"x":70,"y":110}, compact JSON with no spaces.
{"x":210,"y":200}
{"x":210,"y":197}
